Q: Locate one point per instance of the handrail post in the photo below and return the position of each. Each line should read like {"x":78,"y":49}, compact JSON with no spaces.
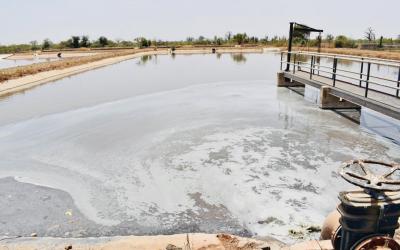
{"x":294,"y":63}
{"x":281,"y":59}
{"x":334,"y":70}
{"x":314,"y":64}
{"x":311,"y":66}
{"x":367,"y":81}
{"x":361,"y":71}
{"x":398,"y":84}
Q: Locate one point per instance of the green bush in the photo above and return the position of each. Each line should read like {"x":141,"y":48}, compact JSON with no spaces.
{"x":344,"y":42}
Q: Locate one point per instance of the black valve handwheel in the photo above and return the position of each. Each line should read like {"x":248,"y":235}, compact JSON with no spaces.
{"x":368,"y":179}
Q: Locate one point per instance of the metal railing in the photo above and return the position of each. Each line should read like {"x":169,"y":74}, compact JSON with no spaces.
{"x":384,"y":85}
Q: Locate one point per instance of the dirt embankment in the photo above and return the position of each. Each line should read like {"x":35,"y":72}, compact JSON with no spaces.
{"x":196,"y":241}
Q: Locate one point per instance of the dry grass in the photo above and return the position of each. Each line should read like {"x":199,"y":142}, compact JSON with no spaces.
{"x":16,"y":72}
{"x":392,"y":55}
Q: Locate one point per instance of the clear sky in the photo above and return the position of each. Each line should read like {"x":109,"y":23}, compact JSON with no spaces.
{"x":22,"y":21}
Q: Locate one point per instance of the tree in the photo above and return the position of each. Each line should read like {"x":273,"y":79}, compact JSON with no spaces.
{"x":217,"y":40}
{"x":369,"y":34}
{"x":125,"y":43}
{"x":253,"y":39}
{"x":143,"y":42}
{"x":75,"y":41}
{"x":264,"y":40}
{"x":202,"y":40}
{"x":228,"y":36}
{"x":329,"y":38}
{"x":85,"y":41}
{"x":46,"y":44}
{"x":34,"y":45}
{"x":240,"y":38}
{"x":118,"y":41}
{"x":189,"y":39}
{"x":103,"y":41}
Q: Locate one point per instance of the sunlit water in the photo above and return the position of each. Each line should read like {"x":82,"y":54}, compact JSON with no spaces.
{"x":172,"y":142}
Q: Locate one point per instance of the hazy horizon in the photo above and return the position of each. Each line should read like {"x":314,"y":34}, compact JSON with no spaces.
{"x":25,"y":21}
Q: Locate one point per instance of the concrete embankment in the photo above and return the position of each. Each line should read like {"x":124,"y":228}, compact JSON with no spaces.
{"x":29,"y":81}
{"x":3,"y":56}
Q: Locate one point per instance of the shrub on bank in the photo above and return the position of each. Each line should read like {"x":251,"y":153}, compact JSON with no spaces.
{"x":344,"y":42}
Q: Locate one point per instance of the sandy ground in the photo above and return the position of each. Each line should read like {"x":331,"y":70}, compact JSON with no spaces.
{"x":196,"y":241}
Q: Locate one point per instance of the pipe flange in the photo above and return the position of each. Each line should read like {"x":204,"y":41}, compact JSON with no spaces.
{"x":377,"y":242}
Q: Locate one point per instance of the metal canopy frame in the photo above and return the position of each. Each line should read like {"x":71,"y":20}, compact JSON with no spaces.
{"x":304,"y":28}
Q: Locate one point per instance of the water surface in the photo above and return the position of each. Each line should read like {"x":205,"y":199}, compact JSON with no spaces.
{"x":187,"y":143}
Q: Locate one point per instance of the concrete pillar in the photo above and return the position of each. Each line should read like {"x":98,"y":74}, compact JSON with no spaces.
{"x":282,"y":81}
{"x":328,"y":101}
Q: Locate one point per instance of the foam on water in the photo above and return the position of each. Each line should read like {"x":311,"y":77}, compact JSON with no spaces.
{"x":246,"y":150}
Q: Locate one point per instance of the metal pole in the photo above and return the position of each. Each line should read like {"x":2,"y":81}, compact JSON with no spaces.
{"x":289,"y":45}
{"x":333,"y":68}
{"x":281,"y":59}
{"x":311,"y":66}
{"x":294,"y":64}
{"x":398,"y":84}
{"x":319,"y":42}
{"x":334,"y":71}
{"x":361,"y":71}
{"x":367,"y":82}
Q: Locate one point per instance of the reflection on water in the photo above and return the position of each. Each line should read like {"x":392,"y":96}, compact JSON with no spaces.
{"x":126,"y":79}
{"x":147,"y":58}
{"x":239,"y":58}
{"x":191,"y":144}
{"x":381,"y":124}
{"x":378,"y":123}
